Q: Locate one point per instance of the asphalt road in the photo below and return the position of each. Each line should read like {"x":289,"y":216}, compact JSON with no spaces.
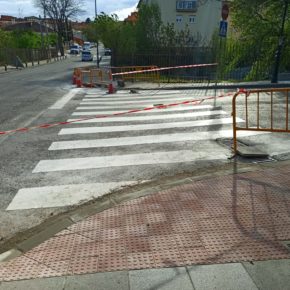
{"x":25,"y":98}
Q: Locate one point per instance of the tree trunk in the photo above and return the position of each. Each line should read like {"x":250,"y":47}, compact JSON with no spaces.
{"x":60,"y":43}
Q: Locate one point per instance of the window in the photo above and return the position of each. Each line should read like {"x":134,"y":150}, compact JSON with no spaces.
{"x":186,"y":6}
{"x":191,"y":19}
{"x":179,"y":18}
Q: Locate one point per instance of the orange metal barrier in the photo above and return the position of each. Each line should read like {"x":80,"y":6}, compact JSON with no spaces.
{"x":92,"y":76}
{"x":153,"y":76}
{"x":263,"y":110}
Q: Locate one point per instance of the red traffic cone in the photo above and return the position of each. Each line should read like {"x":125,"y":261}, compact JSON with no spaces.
{"x":110,"y":89}
{"x":79,"y":83}
{"x":74,"y":80}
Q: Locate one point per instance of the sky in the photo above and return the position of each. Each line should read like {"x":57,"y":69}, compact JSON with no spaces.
{"x":22,"y":8}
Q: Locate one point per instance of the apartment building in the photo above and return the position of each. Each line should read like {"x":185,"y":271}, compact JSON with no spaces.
{"x":202,"y":17}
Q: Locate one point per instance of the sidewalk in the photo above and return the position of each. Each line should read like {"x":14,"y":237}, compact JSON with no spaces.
{"x":224,"y":232}
{"x":30,"y":64}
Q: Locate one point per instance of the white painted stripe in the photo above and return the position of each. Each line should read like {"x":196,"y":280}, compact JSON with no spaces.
{"x":170,"y":109}
{"x":133,"y":105}
{"x":145,"y":101}
{"x":64,"y":100}
{"x":140,"y":93}
{"x":63,"y":195}
{"x":147,"y":117}
{"x":148,"y":139}
{"x":127,"y":160}
{"x":140,"y":98}
{"x":157,"y":126}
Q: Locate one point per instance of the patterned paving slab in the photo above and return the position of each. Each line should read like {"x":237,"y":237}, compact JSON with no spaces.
{"x":242,"y":217}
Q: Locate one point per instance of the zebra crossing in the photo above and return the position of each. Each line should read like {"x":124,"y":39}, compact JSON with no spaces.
{"x":92,"y":157}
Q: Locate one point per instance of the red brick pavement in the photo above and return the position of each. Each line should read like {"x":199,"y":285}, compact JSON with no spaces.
{"x":242,"y":217}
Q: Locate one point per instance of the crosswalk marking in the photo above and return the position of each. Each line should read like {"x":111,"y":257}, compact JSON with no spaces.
{"x":140,"y":93}
{"x":131,"y":105}
{"x":138,"y":99}
{"x":64,"y":100}
{"x":62,"y":195}
{"x":119,"y":102}
{"x":158,"y":110}
{"x":146,"y":117}
{"x":142,"y":127}
{"x":179,"y":156}
{"x":146,"y":160}
{"x":148,"y":139}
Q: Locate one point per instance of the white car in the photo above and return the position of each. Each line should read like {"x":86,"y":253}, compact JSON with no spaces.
{"x":74,"y":49}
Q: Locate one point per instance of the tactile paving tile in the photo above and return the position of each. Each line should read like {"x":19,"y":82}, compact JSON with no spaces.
{"x":21,"y":268}
{"x":83,"y":265}
{"x":85,"y":250}
{"x":167,"y":258}
{"x":116,"y":262}
{"x":225,"y":219}
{"x":140,"y":260}
{"x":112,"y":247}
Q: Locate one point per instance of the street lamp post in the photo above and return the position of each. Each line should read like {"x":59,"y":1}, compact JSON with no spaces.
{"x":280,"y":45}
{"x":96,"y":14}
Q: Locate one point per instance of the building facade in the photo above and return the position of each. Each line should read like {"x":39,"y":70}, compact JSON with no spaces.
{"x":202,"y":17}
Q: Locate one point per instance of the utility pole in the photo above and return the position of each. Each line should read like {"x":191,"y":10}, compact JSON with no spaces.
{"x":41,"y":30}
{"x":96,"y":15}
{"x":280,"y":45}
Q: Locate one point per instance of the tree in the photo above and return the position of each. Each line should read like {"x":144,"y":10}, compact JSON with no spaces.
{"x":117,"y":35}
{"x":260,"y":24}
{"x":59,"y":11}
{"x":6,"y":39}
{"x":148,"y":26}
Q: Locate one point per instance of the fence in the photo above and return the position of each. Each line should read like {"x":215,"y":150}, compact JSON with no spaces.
{"x":262,"y":110}
{"x":18,"y":56}
{"x":170,"y":58}
{"x":152,"y":76}
{"x":92,"y":76}
{"x":237,"y":62}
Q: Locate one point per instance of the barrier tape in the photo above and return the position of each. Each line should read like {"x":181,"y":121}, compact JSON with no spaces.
{"x":43,"y":126}
{"x":163,"y":68}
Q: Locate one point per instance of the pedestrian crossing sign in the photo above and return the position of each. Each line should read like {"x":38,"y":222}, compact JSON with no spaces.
{"x":223,"y":28}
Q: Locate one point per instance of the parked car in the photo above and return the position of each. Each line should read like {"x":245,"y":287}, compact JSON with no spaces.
{"x":87,"y":55}
{"x":108,"y":51}
{"x":74,"y":49}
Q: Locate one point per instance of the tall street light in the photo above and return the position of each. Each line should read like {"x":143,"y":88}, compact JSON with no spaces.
{"x":96,"y":14}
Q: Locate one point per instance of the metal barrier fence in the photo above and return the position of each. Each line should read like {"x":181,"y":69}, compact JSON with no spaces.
{"x":263,"y":110}
{"x":153,"y":76}
{"x":91,"y":76}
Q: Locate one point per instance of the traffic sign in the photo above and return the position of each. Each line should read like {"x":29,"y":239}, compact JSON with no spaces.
{"x":225,"y":11}
{"x":223,"y":28}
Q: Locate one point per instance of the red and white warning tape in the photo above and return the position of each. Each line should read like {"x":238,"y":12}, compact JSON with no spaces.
{"x":163,"y":68}
{"x":194,"y":102}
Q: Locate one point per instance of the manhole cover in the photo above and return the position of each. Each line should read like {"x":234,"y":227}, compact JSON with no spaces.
{"x":246,"y":153}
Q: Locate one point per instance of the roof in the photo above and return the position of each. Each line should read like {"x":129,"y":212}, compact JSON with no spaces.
{"x":29,"y":26}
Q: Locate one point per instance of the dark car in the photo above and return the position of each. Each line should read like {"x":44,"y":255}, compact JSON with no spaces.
{"x":108,"y":51}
